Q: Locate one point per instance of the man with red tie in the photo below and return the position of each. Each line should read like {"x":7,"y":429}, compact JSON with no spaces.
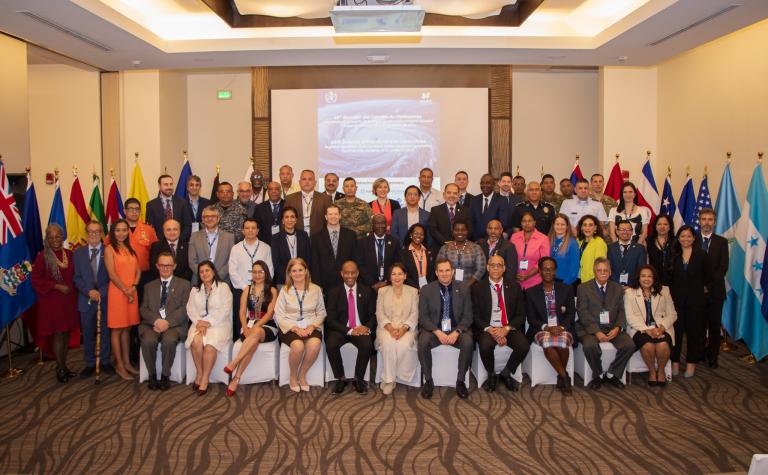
{"x":498,"y":308}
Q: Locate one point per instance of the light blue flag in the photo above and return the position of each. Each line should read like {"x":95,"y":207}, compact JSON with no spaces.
{"x":728,"y":213}
{"x":751,"y":235}
{"x":57,"y":211}
{"x":686,"y":205}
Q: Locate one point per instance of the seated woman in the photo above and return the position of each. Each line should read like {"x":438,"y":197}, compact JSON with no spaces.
{"x":210,"y":311}
{"x":467,"y":258}
{"x":257,"y":304}
{"x":299,"y":313}
{"x":531,"y":245}
{"x":551,"y":310}
{"x":651,"y":317}
{"x":397,"y":312}
{"x":564,"y":249}
{"x":417,"y":258}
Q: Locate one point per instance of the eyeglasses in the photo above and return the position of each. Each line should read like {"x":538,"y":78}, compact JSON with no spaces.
{"x":94,"y":233}
{"x":165,"y":266}
{"x":132,"y":208}
{"x":495,"y":265}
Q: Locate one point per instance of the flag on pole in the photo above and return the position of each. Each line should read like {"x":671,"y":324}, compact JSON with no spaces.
{"x":30,"y":220}
{"x":647,"y":192}
{"x":576,"y":173}
{"x":749,"y":253}
{"x":686,"y":205}
{"x":114,"y":204}
{"x":77,"y":216}
{"x":615,"y":182}
{"x":728,"y":213}
{"x":181,"y":185}
{"x":214,"y":199}
{"x":16,"y":293}
{"x":668,"y":206}
{"x":764,"y":284}
{"x":57,"y":210}
{"x":96,"y":205}
{"x":138,"y":190}
{"x":704,"y":200}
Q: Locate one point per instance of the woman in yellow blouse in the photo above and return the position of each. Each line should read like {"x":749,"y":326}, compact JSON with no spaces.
{"x":591,"y":246}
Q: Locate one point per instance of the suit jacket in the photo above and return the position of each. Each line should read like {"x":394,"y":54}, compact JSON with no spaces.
{"x":337,"y":317}
{"x":198,"y":252}
{"x":281,"y":253}
{"x":717,"y":260}
{"x":590,"y":304}
{"x":399,"y":227}
{"x":202,"y":203}
{"x":536,"y":311}
{"x":430,"y":301}
{"x":264,"y":217}
{"x":175,"y":306}
{"x":439,"y":223}
{"x":326,"y":270}
{"x":84,"y":281}
{"x":514,"y":304}
{"x":688,"y":284}
{"x":336,"y":196}
{"x":182,"y":258}
{"x":633,"y":259}
{"x":367,"y":257}
{"x":468,"y":197}
{"x":662,"y":310}
{"x":498,"y":208}
{"x":182,"y":213}
{"x":411,"y":267}
{"x":320,"y":201}
{"x":506,"y":250}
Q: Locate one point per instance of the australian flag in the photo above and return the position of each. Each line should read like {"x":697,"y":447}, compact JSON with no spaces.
{"x":702,"y":201}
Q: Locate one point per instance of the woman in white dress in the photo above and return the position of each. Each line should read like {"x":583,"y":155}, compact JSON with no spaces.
{"x":397,"y":313}
{"x":210,"y":310}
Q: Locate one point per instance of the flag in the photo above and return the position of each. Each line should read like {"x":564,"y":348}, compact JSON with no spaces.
{"x":30,"y":220}
{"x":96,"y":205}
{"x":615,"y":182}
{"x":647,"y":192}
{"x":764,"y":284}
{"x":576,"y":173}
{"x":728,"y":212}
{"x":16,"y":293}
{"x":138,"y":190}
{"x":749,"y":254}
{"x":57,"y":210}
{"x":686,"y":205}
{"x":214,"y":199}
{"x":702,"y":201}
{"x":668,"y":206}
{"x":181,"y":185}
{"x":77,"y":216}
{"x":114,"y":204}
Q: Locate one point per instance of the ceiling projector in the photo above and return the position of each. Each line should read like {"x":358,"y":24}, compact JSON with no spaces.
{"x":375,"y":16}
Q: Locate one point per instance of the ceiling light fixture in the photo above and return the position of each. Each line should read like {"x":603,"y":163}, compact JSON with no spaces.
{"x":387,"y":17}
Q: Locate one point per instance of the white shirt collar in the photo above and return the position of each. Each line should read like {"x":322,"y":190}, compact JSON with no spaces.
{"x":353,"y":289}
{"x":706,"y":236}
{"x":167,"y":280}
{"x":334,"y":228}
{"x":493,"y":284}
{"x":211,"y":233}
{"x":175,"y":243}
{"x":98,"y":246}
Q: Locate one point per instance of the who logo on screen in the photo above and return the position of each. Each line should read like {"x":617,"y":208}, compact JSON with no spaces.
{"x":331,"y":97}
{"x":426,"y":96}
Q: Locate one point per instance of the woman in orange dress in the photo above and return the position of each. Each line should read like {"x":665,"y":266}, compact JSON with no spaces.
{"x":123,"y":301}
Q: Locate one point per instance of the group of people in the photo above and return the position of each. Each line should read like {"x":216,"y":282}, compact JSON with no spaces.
{"x":515,"y":265}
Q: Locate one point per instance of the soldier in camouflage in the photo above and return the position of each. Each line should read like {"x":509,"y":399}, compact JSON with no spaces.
{"x":548,"y":192}
{"x":232,"y":212}
{"x":355,"y":213}
{"x":596,"y":184}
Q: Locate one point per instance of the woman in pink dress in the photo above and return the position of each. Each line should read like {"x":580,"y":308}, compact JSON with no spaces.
{"x":531,"y":245}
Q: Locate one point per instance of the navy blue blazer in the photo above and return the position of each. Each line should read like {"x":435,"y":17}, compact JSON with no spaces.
{"x":399,"y":227}
{"x":84,"y":281}
{"x":498,"y":208}
{"x":634,"y":258}
{"x":281,"y":254}
{"x":182,"y":212}
{"x":197,"y":216}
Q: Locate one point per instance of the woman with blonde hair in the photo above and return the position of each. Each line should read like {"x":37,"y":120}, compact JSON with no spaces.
{"x":565,"y":249}
{"x":382,"y":204}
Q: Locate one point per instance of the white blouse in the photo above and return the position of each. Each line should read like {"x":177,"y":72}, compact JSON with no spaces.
{"x":288,"y":310}
{"x":215,"y":308}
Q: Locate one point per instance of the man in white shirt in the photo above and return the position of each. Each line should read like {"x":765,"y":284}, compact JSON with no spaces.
{"x":582,"y":205}
{"x":241,"y":260}
{"x":430,"y":197}
{"x":286,"y":181}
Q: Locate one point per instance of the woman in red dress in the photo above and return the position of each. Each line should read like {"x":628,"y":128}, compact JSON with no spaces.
{"x":382,"y":204}
{"x":53,"y":280}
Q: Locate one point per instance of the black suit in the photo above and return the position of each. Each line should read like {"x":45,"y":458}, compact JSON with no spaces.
{"x":368,"y":261}
{"x":337,"y":195}
{"x":687,"y":291}
{"x":507,"y":251}
{"x":197,"y":216}
{"x":266,"y":219}
{"x":182,"y":258}
{"x":498,"y":208}
{"x":482,"y":303}
{"x":412,"y":270}
{"x":440,"y":223}
{"x":281,"y":253}
{"x":337,"y":326}
{"x":182,"y":213}
{"x":634,"y":257}
{"x":468,"y":197}
{"x":717,"y":260}
{"x":536,"y":311}
{"x":326,"y":269}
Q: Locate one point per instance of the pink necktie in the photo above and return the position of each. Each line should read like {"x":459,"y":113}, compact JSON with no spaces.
{"x":352,"y":323}
{"x":451,"y":215}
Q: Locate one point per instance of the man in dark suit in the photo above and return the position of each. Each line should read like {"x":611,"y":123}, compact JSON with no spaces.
{"x":267,"y":213}
{"x":167,"y":206}
{"x":196,"y":202}
{"x":496,"y":245}
{"x":331,"y":246}
{"x":354,"y":324}
{"x":92,"y":281}
{"x":716,"y":248}
{"x":332,"y":186}
{"x":600,"y":306}
{"x":442,"y":216}
{"x":487,"y":206}
{"x":309,"y":203}
{"x":170,"y":242}
{"x":462,"y":181}
{"x":445,"y":318}
{"x":498,"y":306}
{"x":376,"y":252}
{"x":163,"y":320}
{"x":626,"y":256}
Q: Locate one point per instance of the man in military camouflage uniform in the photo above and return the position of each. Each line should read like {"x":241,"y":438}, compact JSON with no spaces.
{"x":543,"y":212}
{"x":548,"y":194}
{"x":232,"y":212}
{"x":355,"y":213}
{"x":596,"y":186}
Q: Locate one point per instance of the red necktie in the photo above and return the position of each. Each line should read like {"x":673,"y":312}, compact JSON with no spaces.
{"x":352,"y":321}
{"x":451,"y":215}
{"x":501,"y":304}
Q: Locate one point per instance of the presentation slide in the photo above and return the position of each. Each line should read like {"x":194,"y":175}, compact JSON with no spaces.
{"x":382,"y":133}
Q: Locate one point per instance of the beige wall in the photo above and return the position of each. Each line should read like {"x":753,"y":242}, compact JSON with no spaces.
{"x":64,"y":129}
{"x":14,"y":115}
{"x":712,"y":100}
{"x":554,"y":117}
{"x":173,"y":120}
{"x":140,"y":127}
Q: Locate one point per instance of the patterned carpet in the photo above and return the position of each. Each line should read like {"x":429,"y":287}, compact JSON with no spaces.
{"x":711,"y":424}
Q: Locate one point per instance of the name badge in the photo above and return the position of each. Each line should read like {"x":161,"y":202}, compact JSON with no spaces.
{"x":605,"y":318}
{"x":459,"y":274}
{"x":422,"y":282}
{"x":303,"y":323}
{"x":275,"y":230}
{"x":624,"y":278}
{"x":251,"y":322}
{"x":162,"y":313}
{"x":552,"y":321}
{"x":195,"y":227}
{"x":306,"y":223}
{"x":496,"y":318}
{"x":445,"y":325}
{"x":524,"y":264}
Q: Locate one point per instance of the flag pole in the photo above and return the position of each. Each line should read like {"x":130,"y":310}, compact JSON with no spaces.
{"x":12,"y":372}
{"x":98,"y":341}
{"x":726,"y":345}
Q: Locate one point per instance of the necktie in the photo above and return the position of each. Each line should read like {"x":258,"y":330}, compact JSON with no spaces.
{"x":335,"y":242}
{"x":95,"y":263}
{"x":168,"y":210}
{"x":451,"y":215}
{"x":705,"y":245}
{"x":164,"y":294}
{"x":351,"y":320}
{"x":485,"y":204}
{"x":501,"y":304}
{"x":173,"y":248}
{"x":602,"y":291}
{"x":461,"y":200}
{"x":446,"y":304}
{"x":275,"y":213}
{"x":380,"y":254}
{"x":624,"y":248}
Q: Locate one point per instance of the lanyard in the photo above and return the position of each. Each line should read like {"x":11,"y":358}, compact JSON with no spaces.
{"x":194,"y":205}
{"x":424,"y":200}
{"x":525,"y":249}
{"x":308,"y":204}
{"x":252,"y":256}
{"x":301,"y":301}
{"x":207,"y":296}
{"x":557,"y":245}
{"x":381,"y":210}
{"x":492,"y":248}
{"x":420,"y":257}
{"x":459,"y":253}
{"x":291,"y":246}
{"x":211,"y":243}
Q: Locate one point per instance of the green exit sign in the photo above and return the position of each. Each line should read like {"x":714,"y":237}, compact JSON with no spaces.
{"x":223,"y":95}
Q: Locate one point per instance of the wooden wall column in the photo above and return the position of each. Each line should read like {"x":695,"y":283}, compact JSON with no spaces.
{"x":261,"y":138}
{"x":500,"y":120}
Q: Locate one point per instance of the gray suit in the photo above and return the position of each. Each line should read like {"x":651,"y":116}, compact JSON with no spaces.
{"x":198,"y":252}
{"x":429,"y":319}
{"x":175,"y":314}
{"x":589,"y":305}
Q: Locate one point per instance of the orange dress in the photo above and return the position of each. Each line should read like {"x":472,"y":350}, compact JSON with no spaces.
{"x":120,"y":313}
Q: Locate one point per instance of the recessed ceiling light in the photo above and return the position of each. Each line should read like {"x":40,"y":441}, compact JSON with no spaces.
{"x":623,"y":59}
{"x":136,"y":62}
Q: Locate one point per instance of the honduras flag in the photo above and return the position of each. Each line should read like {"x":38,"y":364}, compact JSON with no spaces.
{"x":687,"y":203}
{"x":749,"y":254}
{"x":668,"y":206}
{"x":181,"y":185}
{"x":728,"y":213}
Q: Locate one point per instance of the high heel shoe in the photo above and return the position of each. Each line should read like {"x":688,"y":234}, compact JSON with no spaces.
{"x":228,"y":370}
{"x":61,"y":375}
{"x":202,"y":392}
{"x":304,"y":388}
{"x":296,"y":389}
{"x":231,"y":392}
{"x":195,"y":387}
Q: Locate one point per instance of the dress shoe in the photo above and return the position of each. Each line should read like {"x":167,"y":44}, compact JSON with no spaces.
{"x":338,"y":388}
{"x":387,"y":388}
{"x":509,"y":382}
{"x":596,"y":383}
{"x":461,"y":390}
{"x":615,"y":382}
{"x":426,"y":390}
{"x":61,"y":375}
{"x":70,"y":374}
{"x":165,"y":383}
{"x":202,"y":392}
{"x":195,"y":387}
{"x":107,"y":369}
{"x":305,"y":388}
{"x":713,"y":363}
{"x":88,"y":371}
{"x":560,"y":382}
{"x":152,"y":384}
{"x":490,"y":384}
{"x":231,"y":392}
{"x":296,"y":389}
{"x":567,"y":386}
{"x":361,"y":386}
{"x":653,"y":384}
